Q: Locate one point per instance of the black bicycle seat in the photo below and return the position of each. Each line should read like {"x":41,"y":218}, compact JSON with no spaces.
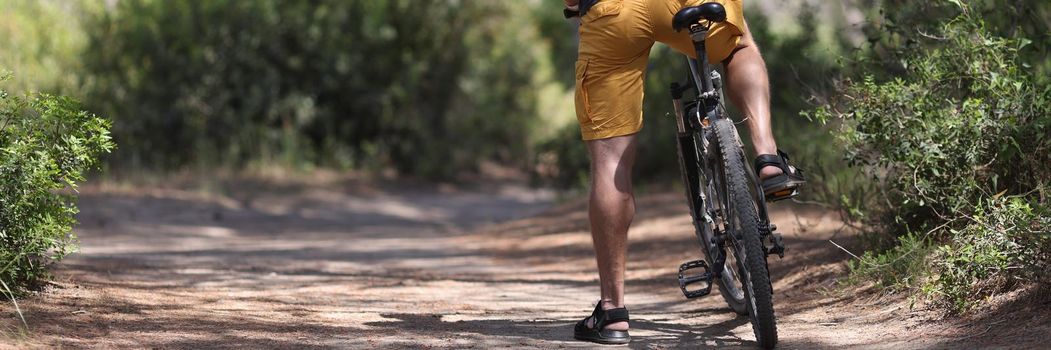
{"x":712,"y":11}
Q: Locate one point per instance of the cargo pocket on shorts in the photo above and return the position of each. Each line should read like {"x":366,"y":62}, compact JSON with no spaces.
{"x":582,"y":101}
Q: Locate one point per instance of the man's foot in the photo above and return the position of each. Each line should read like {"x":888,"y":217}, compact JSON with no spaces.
{"x":769,"y":171}
{"x":779,"y":180}
{"x":606,"y":325}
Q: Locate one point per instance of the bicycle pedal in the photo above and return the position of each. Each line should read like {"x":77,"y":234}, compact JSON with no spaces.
{"x":782,"y":195}
{"x":686,"y":280}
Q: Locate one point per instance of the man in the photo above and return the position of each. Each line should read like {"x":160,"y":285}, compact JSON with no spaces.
{"x":615,"y":41}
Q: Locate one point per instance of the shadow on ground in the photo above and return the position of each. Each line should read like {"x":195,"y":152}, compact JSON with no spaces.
{"x":341,"y":265}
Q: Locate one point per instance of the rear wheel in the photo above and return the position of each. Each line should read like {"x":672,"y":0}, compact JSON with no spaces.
{"x":730,"y":287}
{"x":740,"y":221}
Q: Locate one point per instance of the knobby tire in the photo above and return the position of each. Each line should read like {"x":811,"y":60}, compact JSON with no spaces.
{"x":745,"y":240}
{"x":704,"y":229}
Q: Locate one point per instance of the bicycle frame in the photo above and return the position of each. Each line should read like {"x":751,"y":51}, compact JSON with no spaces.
{"x":725,"y":197}
{"x":706,"y":103}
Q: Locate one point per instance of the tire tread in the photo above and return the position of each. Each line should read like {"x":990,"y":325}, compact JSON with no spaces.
{"x":764,"y":324}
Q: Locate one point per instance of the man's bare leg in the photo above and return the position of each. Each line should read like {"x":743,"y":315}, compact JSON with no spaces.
{"x":611,"y":209}
{"x":749,"y":89}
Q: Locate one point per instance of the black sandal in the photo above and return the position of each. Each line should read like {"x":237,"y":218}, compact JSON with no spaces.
{"x":597,"y":333}
{"x":782,"y":186}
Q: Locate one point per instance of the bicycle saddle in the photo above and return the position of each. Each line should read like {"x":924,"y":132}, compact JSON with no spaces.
{"x":712,"y":11}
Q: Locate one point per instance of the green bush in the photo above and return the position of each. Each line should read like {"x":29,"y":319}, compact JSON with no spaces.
{"x":422,"y":86}
{"x":1006,"y":242}
{"x":896,"y":267}
{"x":960,"y":142}
{"x":46,"y":145}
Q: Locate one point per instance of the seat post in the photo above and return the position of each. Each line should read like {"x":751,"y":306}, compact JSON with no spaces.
{"x":698,"y":34}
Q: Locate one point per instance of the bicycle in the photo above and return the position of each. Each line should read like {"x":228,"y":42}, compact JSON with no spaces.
{"x":726,"y":202}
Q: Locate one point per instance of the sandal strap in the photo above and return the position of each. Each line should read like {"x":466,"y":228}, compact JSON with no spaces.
{"x":780,"y":160}
{"x":617,"y":315}
{"x":604,"y":317}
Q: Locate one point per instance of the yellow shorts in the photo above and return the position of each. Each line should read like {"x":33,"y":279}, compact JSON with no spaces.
{"x":615,"y":41}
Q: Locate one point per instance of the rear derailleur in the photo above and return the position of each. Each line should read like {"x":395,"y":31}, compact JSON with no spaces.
{"x":767,"y":235}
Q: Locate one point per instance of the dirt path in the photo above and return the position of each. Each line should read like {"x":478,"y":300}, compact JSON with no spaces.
{"x":334,"y":264}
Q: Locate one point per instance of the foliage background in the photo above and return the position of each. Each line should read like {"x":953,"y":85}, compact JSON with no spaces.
{"x":368,"y":85}
{"x":419,"y":86}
